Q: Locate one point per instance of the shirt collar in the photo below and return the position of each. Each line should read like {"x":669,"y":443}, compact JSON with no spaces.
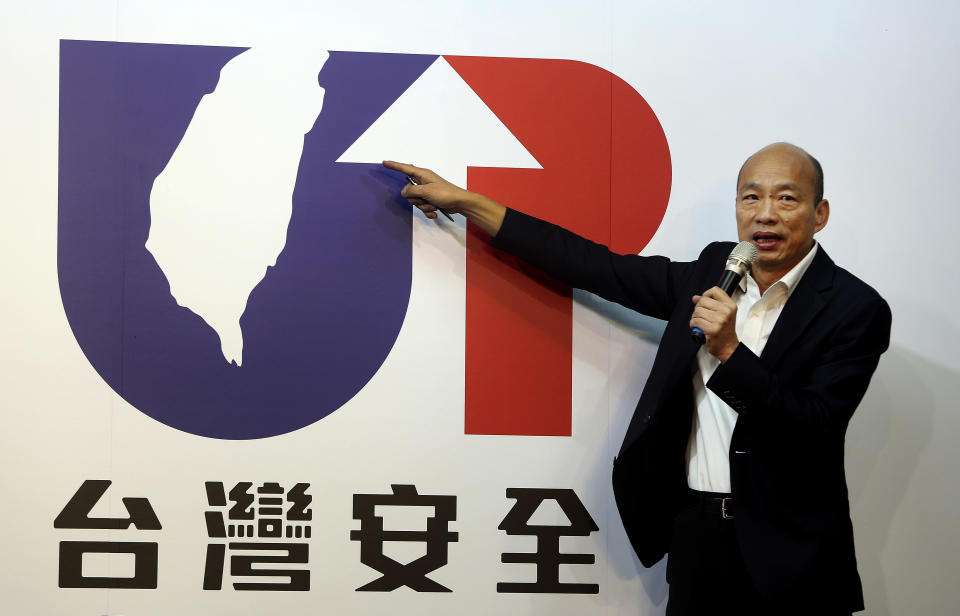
{"x":791,"y":278}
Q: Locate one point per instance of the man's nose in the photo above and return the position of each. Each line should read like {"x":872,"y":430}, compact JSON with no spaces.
{"x":767,"y":211}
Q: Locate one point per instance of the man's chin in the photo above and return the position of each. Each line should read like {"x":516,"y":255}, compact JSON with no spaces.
{"x":767,"y":263}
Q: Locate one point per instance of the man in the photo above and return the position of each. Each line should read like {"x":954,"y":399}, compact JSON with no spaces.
{"x":733,"y":460}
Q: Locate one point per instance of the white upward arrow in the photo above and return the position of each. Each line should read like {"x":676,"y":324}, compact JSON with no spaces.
{"x":441,"y":124}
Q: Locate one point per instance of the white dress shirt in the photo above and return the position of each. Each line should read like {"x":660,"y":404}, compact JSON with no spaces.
{"x":708,"y":450}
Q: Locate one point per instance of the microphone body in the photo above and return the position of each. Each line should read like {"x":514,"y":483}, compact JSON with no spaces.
{"x":738,"y":264}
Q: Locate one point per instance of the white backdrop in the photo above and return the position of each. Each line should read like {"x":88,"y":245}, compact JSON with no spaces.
{"x":870,"y":88}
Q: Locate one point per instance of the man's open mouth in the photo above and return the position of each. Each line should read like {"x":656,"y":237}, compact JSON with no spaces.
{"x":765,"y":241}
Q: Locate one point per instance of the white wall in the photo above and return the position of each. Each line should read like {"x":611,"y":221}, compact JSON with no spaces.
{"x":870,"y":88}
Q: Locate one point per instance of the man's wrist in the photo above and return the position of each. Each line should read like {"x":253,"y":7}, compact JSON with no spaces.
{"x":483,"y":211}
{"x":472,"y":204}
{"x":727,"y":351}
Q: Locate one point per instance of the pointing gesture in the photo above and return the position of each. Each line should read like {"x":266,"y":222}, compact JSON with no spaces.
{"x":431,"y":193}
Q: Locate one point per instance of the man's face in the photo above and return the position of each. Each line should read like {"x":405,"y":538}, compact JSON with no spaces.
{"x":775,"y":208}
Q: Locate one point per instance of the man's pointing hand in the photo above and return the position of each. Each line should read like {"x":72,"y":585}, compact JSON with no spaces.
{"x":431,"y":193}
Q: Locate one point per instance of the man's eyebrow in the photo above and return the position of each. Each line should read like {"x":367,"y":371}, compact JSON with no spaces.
{"x":777,"y":188}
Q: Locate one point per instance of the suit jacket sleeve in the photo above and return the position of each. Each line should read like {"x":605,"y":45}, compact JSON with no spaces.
{"x":648,"y":285}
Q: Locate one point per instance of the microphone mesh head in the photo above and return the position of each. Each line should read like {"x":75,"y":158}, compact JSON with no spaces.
{"x":745,"y":252}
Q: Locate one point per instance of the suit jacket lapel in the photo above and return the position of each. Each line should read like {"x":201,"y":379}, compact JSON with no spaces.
{"x":806,"y":301}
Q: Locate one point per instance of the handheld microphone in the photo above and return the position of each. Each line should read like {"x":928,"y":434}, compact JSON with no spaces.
{"x":738,"y":264}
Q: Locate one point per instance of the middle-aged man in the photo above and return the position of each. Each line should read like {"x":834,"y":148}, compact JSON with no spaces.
{"x":733,"y":461}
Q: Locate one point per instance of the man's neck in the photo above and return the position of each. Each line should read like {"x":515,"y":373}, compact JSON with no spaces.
{"x":765,"y":279}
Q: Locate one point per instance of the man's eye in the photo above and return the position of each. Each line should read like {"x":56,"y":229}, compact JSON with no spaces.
{"x":749,"y":197}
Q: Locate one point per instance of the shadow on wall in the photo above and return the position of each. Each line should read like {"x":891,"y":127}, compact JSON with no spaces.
{"x":631,"y":366}
{"x":901,"y":476}
{"x":900,"y":465}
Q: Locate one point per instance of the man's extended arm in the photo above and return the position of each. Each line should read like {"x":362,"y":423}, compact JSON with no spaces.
{"x":644,"y":284}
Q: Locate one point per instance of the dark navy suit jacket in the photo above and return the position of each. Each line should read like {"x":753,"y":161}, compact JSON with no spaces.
{"x":793,"y":404}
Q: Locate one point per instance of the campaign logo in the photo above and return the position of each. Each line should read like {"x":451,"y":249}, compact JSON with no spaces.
{"x":235,"y":263}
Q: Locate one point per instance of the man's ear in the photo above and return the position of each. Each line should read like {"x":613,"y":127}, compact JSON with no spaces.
{"x":821,"y":215}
